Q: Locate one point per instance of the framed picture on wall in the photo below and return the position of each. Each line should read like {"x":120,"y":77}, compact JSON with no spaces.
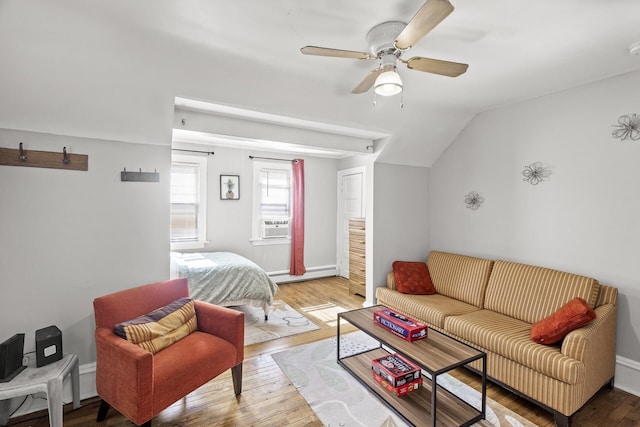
{"x":229,"y":187}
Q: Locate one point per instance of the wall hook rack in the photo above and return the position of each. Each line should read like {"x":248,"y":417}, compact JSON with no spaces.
{"x":139,"y":176}
{"x":43,"y":159}
{"x":22,"y":156}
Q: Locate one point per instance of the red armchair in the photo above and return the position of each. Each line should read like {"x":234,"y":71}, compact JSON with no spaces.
{"x":140,"y":384}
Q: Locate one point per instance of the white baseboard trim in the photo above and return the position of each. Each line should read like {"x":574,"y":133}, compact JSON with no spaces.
{"x":627,"y":379}
{"x":283,"y":276}
{"x":627,"y":375}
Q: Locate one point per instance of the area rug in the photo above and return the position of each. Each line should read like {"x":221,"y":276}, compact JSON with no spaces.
{"x":338,"y":399}
{"x":283,"y":321}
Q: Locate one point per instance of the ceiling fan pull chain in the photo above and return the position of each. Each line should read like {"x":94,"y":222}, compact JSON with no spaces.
{"x":402,"y":100}
{"x":374,"y":99}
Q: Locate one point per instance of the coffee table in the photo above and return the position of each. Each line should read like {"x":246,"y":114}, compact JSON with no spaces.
{"x":430,"y":404}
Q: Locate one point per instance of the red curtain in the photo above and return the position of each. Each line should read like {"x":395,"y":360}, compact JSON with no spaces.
{"x":297,"y":223}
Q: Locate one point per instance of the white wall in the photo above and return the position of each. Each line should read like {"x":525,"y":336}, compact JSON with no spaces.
{"x":67,"y":237}
{"x":118,"y":81}
{"x":354,"y":161}
{"x":400,"y":220}
{"x":584,"y":219}
{"x":229,"y":221}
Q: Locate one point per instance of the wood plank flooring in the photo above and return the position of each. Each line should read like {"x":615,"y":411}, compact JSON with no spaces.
{"x":269,"y":399}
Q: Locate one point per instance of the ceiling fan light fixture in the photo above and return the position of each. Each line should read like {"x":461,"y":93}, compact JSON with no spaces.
{"x":388,"y":83}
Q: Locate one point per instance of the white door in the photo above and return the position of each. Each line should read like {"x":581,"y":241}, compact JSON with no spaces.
{"x":350,"y":205}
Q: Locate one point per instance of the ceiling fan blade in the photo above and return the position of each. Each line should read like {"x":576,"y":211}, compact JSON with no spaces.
{"x":437,"y":66}
{"x":367,"y":82}
{"x":336,"y":53}
{"x":430,"y":14}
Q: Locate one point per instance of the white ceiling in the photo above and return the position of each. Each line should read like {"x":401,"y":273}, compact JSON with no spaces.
{"x":516,"y":50}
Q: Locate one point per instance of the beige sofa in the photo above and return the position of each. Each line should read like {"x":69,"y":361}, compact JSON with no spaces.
{"x":491,"y":305}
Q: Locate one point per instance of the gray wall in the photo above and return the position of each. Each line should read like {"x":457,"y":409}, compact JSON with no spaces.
{"x":229,"y":222}
{"x":70,"y":236}
{"x":584,"y":219}
{"x":354,"y":161}
{"x":400,"y":219}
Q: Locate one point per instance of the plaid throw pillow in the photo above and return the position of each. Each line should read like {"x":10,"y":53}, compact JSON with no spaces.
{"x":162,"y":327}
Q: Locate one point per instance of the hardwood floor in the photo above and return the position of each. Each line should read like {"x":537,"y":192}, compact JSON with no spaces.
{"x":269,"y":399}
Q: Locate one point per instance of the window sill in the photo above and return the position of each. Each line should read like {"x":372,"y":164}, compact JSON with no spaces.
{"x":271,"y":241}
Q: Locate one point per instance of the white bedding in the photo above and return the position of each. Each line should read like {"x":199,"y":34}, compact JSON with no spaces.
{"x":225,"y":278}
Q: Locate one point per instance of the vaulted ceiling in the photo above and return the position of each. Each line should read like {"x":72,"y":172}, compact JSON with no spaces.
{"x":111,"y":69}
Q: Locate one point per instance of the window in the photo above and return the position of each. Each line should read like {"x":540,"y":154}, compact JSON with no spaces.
{"x":271,"y":202}
{"x":188,"y":201}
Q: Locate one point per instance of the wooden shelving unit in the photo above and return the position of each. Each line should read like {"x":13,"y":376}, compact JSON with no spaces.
{"x":357,"y":257}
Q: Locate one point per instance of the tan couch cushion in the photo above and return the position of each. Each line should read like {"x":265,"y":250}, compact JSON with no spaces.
{"x":430,"y":309}
{"x":458,"y":276}
{"x":510,"y":338}
{"x":531,"y":293}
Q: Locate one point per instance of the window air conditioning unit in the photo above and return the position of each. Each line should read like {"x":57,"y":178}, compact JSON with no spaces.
{"x":275,"y":228}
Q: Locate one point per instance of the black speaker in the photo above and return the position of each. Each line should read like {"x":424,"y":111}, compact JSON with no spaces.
{"x":48,"y":345}
{"x":11,"y":357}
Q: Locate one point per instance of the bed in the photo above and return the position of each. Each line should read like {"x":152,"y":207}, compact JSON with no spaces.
{"x":225,"y":278}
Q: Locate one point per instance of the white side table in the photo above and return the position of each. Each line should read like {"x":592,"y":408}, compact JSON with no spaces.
{"x":48,"y":379}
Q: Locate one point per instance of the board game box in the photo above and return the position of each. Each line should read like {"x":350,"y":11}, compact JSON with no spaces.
{"x":400,"y":324}
{"x":395,"y":370}
{"x":398,"y":391}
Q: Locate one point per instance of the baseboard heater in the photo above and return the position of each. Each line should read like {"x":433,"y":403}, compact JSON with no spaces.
{"x":283,"y":276}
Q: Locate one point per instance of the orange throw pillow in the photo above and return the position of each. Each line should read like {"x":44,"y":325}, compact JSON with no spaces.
{"x":572,"y":315}
{"x":413,"y":278}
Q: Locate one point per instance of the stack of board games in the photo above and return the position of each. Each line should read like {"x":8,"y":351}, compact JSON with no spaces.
{"x":396,"y":374}
{"x":401,"y":325}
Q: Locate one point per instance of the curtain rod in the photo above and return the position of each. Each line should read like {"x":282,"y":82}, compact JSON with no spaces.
{"x":271,"y":158}
{"x":194,"y":151}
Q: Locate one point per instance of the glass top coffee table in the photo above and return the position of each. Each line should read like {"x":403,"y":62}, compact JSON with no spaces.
{"x":437,"y":354}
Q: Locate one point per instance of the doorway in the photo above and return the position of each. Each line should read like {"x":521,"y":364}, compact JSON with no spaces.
{"x":351,"y":204}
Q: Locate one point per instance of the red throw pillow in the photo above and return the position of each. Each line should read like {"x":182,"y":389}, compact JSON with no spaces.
{"x":572,"y":315}
{"x":413,"y":278}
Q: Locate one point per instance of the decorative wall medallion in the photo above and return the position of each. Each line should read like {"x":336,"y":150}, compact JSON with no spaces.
{"x":628,"y":128}
{"x":535,"y":173}
{"x":473,"y":200}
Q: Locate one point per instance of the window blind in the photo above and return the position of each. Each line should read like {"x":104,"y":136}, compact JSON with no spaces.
{"x":184,"y":201}
{"x":275,"y":189}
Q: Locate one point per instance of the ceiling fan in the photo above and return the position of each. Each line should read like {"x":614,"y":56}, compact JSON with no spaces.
{"x":388,"y":41}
